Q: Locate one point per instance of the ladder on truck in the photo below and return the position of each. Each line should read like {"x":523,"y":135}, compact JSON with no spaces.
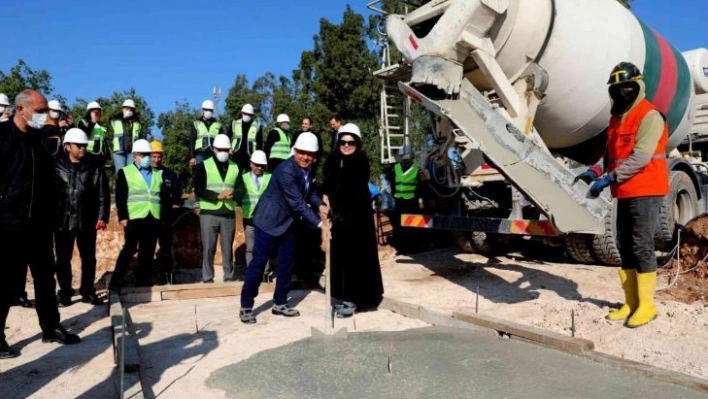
{"x":525,"y":165}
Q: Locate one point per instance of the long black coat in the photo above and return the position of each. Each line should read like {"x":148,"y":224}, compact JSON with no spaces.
{"x":355,"y":268}
{"x":83,"y":195}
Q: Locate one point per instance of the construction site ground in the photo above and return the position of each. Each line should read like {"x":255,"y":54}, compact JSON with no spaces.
{"x":186,"y":347}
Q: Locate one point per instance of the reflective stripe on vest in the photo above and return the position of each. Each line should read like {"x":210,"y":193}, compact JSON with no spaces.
{"x":142,"y":200}
{"x":281,"y":149}
{"x":252,"y":194}
{"x":216,"y":184}
{"x":205,"y":136}
{"x":97,"y":141}
{"x":653,"y":180}
{"x":237,"y":129}
{"x":118,"y":134}
{"x":407,"y":182}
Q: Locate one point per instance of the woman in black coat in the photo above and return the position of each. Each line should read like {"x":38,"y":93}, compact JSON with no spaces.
{"x":356,"y":273}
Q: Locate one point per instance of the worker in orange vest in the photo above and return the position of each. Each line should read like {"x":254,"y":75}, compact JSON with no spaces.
{"x":638,"y":175}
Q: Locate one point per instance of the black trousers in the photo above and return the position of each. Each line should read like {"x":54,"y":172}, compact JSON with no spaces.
{"x":165,"y":239}
{"x":636,"y":224}
{"x":64,"y":248}
{"x":309,"y":258}
{"x":141,"y":237}
{"x":31,"y":247}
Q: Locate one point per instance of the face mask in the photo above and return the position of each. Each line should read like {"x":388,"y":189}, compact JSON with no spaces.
{"x":286,"y":128}
{"x":2,"y":109}
{"x":127,"y":114}
{"x":222,"y":156}
{"x":145,"y":162}
{"x":54,"y":114}
{"x":246,"y":118}
{"x":623,"y":98}
{"x":208,"y":114}
{"x":38,"y":121}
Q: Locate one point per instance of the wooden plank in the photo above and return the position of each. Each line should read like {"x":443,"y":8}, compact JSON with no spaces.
{"x":212,"y":292}
{"x":175,"y":287}
{"x":548,"y":338}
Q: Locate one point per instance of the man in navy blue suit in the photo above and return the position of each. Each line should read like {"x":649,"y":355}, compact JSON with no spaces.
{"x":287,"y":198}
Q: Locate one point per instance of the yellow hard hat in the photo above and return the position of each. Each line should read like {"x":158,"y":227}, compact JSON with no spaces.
{"x":157,"y":146}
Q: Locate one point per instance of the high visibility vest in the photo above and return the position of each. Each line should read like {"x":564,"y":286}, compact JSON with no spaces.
{"x":119,"y":134}
{"x":205,"y":136}
{"x":252,"y":193}
{"x":217,"y":184}
{"x":406,"y":182}
{"x":142,"y":200}
{"x":653,"y":180}
{"x":281,"y":149}
{"x":237,"y":128}
{"x":97,"y":140}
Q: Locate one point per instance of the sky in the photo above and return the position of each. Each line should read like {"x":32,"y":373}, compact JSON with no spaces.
{"x":178,"y":49}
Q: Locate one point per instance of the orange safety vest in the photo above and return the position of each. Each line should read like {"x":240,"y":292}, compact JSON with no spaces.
{"x":653,"y":180}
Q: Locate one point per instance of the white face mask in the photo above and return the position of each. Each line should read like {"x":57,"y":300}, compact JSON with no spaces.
{"x":246,"y":118}
{"x":127,"y":113}
{"x":38,"y":121}
{"x":222,"y":156}
{"x":208,"y":114}
{"x":54,"y":114}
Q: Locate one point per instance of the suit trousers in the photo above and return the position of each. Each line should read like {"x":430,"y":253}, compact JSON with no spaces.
{"x":217,"y":228}
{"x":64,"y":247}
{"x":141,"y":237}
{"x":265,"y":245}
{"x":20,"y":248}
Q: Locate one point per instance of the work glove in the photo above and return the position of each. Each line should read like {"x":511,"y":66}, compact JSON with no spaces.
{"x":589,"y":175}
{"x":599,"y":185}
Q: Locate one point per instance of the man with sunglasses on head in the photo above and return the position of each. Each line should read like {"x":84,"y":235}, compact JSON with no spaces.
{"x":214,"y":183}
{"x":84,"y":202}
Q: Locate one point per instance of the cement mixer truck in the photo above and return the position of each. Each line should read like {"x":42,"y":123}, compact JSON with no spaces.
{"x":517,"y":93}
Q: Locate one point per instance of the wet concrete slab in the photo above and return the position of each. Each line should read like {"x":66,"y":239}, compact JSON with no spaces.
{"x":430,"y":362}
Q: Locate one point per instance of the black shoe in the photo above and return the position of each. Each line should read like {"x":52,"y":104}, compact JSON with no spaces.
{"x":285,"y":310}
{"x":208,"y":281}
{"x":60,"y":334}
{"x":93,"y":299}
{"x":63,"y":301}
{"x":5,"y":351}
{"x":23,"y":302}
{"x":246,"y":316}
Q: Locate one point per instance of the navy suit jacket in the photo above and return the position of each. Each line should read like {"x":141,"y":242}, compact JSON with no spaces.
{"x":286,"y":200}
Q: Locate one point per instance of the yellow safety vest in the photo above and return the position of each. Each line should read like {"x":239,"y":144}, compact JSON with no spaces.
{"x":97,"y":140}
{"x":252,"y":194}
{"x":281,"y":149}
{"x":217,"y":184}
{"x":142,"y":200}
{"x":237,"y":128}
{"x":407,"y":182}
{"x":205,"y":136}
{"x":119,"y":134}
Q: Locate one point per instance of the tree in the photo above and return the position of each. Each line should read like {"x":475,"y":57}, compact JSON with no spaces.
{"x":21,"y":77}
{"x":112,"y":108}
{"x":175,"y":126}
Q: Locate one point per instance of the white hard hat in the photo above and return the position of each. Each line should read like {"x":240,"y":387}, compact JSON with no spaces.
{"x":351,"y":129}
{"x":283,"y":118}
{"x":306,"y":142}
{"x":247,"y":109}
{"x":54,"y":105}
{"x":92,"y":105}
{"x":259,"y":158}
{"x":141,"y":146}
{"x":4,"y":100}
{"x":76,"y":136}
{"x":222,"y":141}
{"x":207,"y":104}
{"x":129,"y":104}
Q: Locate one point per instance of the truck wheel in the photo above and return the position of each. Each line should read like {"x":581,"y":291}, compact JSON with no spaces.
{"x":578,"y":247}
{"x":473,"y":241}
{"x":604,"y":246}
{"x":679,"y":206}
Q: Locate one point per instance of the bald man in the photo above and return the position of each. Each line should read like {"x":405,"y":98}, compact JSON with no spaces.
{"x":27,"y":213}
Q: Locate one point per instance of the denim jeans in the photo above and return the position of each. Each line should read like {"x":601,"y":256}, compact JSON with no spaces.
{"x":121,"y":159}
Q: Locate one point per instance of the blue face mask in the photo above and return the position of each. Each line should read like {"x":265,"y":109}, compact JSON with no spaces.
{"x":145,"y":162}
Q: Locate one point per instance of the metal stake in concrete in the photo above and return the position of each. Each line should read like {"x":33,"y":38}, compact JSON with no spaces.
{"x":121,"y":355}
{"x":476,"y":302}
{"x":572,"y":323}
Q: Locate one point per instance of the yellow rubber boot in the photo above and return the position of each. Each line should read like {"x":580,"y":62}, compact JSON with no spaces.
{"x":646,"y":311}
{"x":629,"y":285}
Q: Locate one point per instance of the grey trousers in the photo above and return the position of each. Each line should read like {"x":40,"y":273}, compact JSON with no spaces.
{"x":214,"y":227}
{"x":250,"y":242}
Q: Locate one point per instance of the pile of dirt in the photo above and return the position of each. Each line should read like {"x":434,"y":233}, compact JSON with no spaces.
{"x":688,"y":278}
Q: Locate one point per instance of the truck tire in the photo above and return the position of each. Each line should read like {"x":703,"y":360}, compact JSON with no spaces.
{"x":578,"y":247}
{"x":679,"y":206}
{"x":473,"y":242}
{"x":604,"y":246}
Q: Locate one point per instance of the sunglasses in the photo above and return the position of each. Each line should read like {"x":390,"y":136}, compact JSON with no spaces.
{"x":221,"y":149}
{"x":346,"y":143}
{"x":80,"y":145}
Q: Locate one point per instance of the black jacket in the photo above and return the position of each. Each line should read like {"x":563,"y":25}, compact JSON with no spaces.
{"x":83,"y":196}
{"x":27,"y":190}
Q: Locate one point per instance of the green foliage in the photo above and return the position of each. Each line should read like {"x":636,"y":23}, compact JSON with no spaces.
{"x":175,"y":126}
{"x":21,"y":77}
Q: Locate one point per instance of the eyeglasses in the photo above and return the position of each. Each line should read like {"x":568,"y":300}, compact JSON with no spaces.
{"x":221,"y":149}
{"x":346,"y":143}
{"x":80,"y":145}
